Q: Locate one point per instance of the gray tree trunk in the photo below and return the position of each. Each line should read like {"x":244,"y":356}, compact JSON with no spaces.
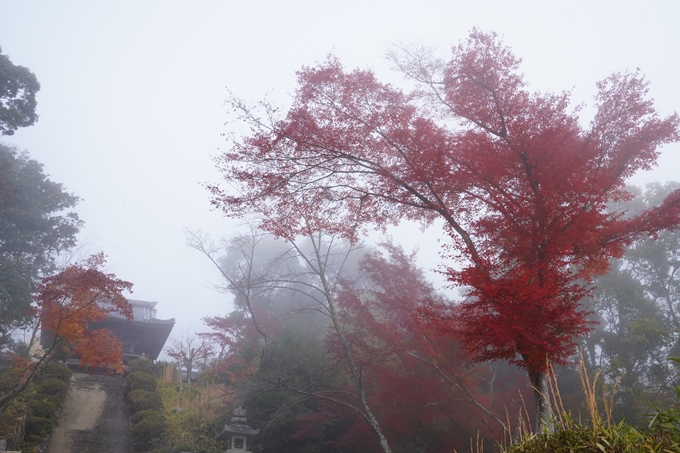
{"x":544,"y":419}
{"x":319,"y":269}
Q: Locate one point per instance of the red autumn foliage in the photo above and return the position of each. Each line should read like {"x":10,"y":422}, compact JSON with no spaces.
{"x":225,"y":333}
{"x":421,"y":384}
{"x":67,"y":305}
{"x":519,"y":182}
{"x":70,"y":302}
{"x":231,"y":335}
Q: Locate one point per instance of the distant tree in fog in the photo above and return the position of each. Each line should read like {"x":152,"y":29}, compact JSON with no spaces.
{"x":35,"y":225}
{"x":18,"y":87}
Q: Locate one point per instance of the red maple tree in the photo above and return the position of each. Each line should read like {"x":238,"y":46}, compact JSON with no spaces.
{"x":519,"y":182}
{"x":67,"y":304}
{"x":421,"y":382}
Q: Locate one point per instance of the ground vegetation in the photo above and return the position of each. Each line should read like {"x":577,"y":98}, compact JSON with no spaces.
{"x":28,"y":420}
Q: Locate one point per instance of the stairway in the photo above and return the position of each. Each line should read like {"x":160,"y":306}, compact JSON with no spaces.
{"x":94,"y":418}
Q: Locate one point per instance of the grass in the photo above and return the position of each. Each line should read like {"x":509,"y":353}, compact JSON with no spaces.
{"x":599,"y":434}
{"x":190,"y":416}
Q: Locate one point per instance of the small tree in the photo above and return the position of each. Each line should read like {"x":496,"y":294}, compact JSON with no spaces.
{"x":66,"y":305}
{"x":189,"y":350}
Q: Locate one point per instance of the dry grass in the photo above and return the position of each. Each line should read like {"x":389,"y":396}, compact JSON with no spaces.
{"x":600,"y":433}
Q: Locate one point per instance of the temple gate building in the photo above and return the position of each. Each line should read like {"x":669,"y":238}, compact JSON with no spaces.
{"x":142,"y":336}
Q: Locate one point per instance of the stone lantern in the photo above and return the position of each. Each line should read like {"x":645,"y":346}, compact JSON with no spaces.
{"x":239,"y":435}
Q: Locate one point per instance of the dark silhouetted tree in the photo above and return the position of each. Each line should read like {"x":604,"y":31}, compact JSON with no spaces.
{"x":35,"y":225}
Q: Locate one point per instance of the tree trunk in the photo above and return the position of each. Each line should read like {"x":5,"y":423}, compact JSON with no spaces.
{"x":368,"y":415}
{"x":189,"y":370}
{"x":539,"y":382}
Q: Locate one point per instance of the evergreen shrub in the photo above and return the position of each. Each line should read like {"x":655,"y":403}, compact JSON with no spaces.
{"x":52,"y":386}
{"x":147,"y":414}
{"x":143,"y":365}
{"x":144,"y":399}
{"x":55,"y":370}
{"x":43,"y":401}
{"x":140,"y":380}
{"x":148,"y":427}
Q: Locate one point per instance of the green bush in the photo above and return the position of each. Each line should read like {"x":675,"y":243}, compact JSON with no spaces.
{"x":44,"y":399}
{"x":9,"y":379}
{"x":148,"y":422}
{"x":143,"y":365}
{"x":146,"y":414}
{"x":55,"y":370}
{"x":147,"y":433}
{"x":52,"y":386}
{"x":40,"y":426}
{"x":144,"y":399}
{"x":46,"y":408}
{"x":140,"y":380}
{"x":148,"y":427}
{"x":40,"y":403}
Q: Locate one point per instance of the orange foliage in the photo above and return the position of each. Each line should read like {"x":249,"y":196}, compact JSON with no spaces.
{"x":70,"y":301}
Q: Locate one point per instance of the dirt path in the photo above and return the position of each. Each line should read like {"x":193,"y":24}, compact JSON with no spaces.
{"x":94,"y":418}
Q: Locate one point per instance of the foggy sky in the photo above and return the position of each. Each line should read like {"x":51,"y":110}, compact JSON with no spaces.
{"x":132,"y":99}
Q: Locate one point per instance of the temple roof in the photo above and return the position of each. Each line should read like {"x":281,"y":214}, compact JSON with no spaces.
{"x":142,"y":336}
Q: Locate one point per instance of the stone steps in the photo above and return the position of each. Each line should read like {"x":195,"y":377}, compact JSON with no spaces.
{"x":94,"y":418}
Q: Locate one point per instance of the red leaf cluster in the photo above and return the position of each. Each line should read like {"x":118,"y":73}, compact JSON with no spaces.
{"x":71,"y":301}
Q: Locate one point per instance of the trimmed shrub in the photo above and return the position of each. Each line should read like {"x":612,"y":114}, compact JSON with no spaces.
{"x":52,"y":386}
{"x":147,"y":433}
{"x":56,"y":370}
{"x":139,"y":380}
{"x":47,"y":408}
{"x":41,"y":402}
{"x":40,"y":426}
{"x":144,"y":399}
{"x":145,"y":415}
{"x":9,"y":379}
{"x":143,"y":365}
{"x":47,"y":394}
